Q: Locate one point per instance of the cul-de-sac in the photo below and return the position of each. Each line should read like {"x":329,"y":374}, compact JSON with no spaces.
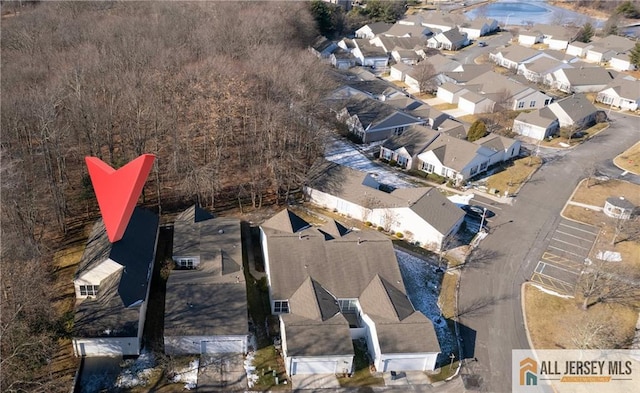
{"x":320,"y":196}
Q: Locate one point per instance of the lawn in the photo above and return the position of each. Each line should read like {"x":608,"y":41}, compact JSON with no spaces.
{"x":514,"y":176}
{"x":596,"y":192}
{"x":444,"y":372}
{"x":588,"y":133}
{"x":445,"y":106}
{"x":555,"y":322}
{"x":362,"y":374}
{"x":266,"y":361}
{"x":447,"y":297}
{"x":629,"y":160}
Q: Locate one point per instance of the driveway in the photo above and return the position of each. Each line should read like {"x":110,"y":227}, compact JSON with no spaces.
{"x":490,"y":287}
{"x":222,"y":372}
{"x":314,"y":381}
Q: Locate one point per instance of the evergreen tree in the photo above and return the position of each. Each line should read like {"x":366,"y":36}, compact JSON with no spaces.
{"x":634,"y":55}
{"x":585,"y":33}
{"x":477,"y":130}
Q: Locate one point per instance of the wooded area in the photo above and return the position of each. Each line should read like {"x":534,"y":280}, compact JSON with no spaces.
{"x":225,"y":94}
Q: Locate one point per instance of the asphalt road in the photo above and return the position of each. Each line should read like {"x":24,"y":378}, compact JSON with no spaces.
{"x":490,"y":301}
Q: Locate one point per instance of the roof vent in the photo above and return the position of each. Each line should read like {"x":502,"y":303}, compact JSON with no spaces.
{"x":221,"y":231}
{"x":622,"y":198}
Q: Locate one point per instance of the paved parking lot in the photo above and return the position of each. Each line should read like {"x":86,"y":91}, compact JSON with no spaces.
{"x":561,"y":263}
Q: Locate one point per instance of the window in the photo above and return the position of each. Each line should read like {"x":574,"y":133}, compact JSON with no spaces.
{"x":547,"y":101}
{"x":474,"y":170}
{"x":427,"y":167}
{"x":443,"y":171}
{"x":89,"y":290}
{"x":281,"y":307}
{"x":348,"y":305}
{"x":483,"y":166}
{"x":186,"y":263}
{"x":532,"y":104}
{"x":521,"y":105}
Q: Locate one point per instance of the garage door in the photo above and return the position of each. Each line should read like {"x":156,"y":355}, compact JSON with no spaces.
{"x":406,"y":364}
{"x":222,"y":346}
{"x":99,"y":349}
{"x":314,"y":367}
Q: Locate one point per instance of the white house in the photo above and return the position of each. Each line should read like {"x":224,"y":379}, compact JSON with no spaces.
{"x":508,"y":93}
{"x":622,"y":93}
{"x":448,"y":40}
{"x":405,"y":148}
{"x":529,"y":38}
{"x":437,"y":21}
{"x":372,"y":29}
{"x":322,"y":47}
{"x":473,"y":103}
{"x":460,"y":160}
{"x":578,"y":49}
{"x":329,"y":285}
{"x":619,"y":207}
{"x":604,"y":49}
{"x":206,"y":299}
{"x":574,"y":111}
{"x":112,"y":288}
{"x":398,"y":71}
{"x":422,"y":214}
{"x":370,"y":55}
{"x":580,"y":80}
{"x":479,"y":27}
{"x":538,"y":124}
{"x":511,"y":57}
{"x":536,"y":71}
{"x":621,"y":62}
{"x":556,"y":37}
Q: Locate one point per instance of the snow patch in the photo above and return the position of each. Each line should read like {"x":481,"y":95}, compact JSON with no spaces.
{"x":609,"y":256}
{"x":461,"y":199}
{"x":422,"y":279}
{"x":550,"y":292}
{"x":252,"y":377}
{"x":188,"y":375}
{"x":137,"y":372}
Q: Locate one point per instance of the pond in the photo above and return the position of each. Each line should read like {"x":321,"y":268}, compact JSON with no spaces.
{"x":520,"y":13}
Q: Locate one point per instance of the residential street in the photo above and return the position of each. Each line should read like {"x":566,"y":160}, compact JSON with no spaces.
{"x":490,"y":286}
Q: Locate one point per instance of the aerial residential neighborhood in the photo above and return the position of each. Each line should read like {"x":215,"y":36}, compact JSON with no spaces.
{"x":329,"y":195}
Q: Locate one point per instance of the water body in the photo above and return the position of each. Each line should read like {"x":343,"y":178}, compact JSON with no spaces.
{"x":520,"y":12}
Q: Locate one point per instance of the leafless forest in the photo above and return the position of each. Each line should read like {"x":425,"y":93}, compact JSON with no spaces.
{"x":224,"y":93}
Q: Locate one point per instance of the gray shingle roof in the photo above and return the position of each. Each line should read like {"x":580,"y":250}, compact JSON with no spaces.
{"x":211,"y":299}
{"x":414,"y":140}
{"x":307,"y":337}
{"x":115,"y":311}
{"x":576,"y":106}
{"x":587,"y":76}
{"x":541,"y":118}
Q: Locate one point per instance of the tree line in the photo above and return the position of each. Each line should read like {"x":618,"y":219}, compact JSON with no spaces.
{"x":225,"y":94}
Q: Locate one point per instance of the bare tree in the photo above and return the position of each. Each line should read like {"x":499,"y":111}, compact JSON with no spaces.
{"x":592,"y":333}
{"x":425,"y":73}
{"x":600,"y":282}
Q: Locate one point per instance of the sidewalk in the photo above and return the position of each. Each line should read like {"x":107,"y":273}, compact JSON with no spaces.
{"x":473,"y":191}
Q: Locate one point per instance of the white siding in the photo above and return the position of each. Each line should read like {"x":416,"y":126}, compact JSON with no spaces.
{"x":321,"y":365}
{"x":621,"y":65}
{"x":188,"y":345}
{"x":556,"y":44}
{"x":106,"y":346}
{"x":396,"y":74}
{"x":530,"y":130}
{"x":96,"y":275}
{"x":484,"y":106}
{"x":528,"y":40}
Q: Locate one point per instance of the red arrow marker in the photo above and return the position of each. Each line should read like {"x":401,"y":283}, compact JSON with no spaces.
{"x":118,"y":191}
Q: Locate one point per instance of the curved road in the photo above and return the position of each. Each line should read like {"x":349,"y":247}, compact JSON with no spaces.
{"x":490,"y":301}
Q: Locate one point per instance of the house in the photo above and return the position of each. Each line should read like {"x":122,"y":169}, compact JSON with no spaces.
{"x":468,"y":72}
{"x":556,"y":37}
{"x":206,"y":298}
{"x":621,"y":62}
{"x":580,"y":80}
{"x":604,"y":49}
{"x":329,"y":285}
{"x":406,"y":56}
{"x":448,"y":40}
{"x":372,"y":120}
{"x":398,"y":71}
{"x":536,"y":71}
{"x":403,"y":103}
{"x":402,"y":30}
{"x":405,"y":148}
{"x":505,"y":92}
{"x":431,"y":116}
{"x":451,"y":93}
{"x":322,"y":47}
{"x":112,"y":288}
{"x":504,"y":148}
{"x":511,"y":57}
{"x":371,"y":30}
{"x":370,"y":55}
{"x":460,"y":160}
{"x":454,"y":128}
{"x":389,"y":44}
{"x":437,"y":21}
{"x":473,"y":103}
{"x":578,"y":49}
{"x":342,"y":59}
{"x":538,"y":124}
{"x":622,"y":93}
{"x":574,"y":111}
{"x":422,"y":214}
{"x":479,"y":27}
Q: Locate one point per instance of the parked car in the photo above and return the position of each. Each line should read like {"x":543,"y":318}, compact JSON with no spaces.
{"x":482,"y":44}
{"x":477,"y":211}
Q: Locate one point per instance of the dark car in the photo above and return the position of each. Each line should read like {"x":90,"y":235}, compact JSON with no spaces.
{"x":482,"y":44}
{"x":477,"y":211}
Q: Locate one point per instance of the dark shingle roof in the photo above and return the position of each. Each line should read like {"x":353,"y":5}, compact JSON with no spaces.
{"x":414,"y":140}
